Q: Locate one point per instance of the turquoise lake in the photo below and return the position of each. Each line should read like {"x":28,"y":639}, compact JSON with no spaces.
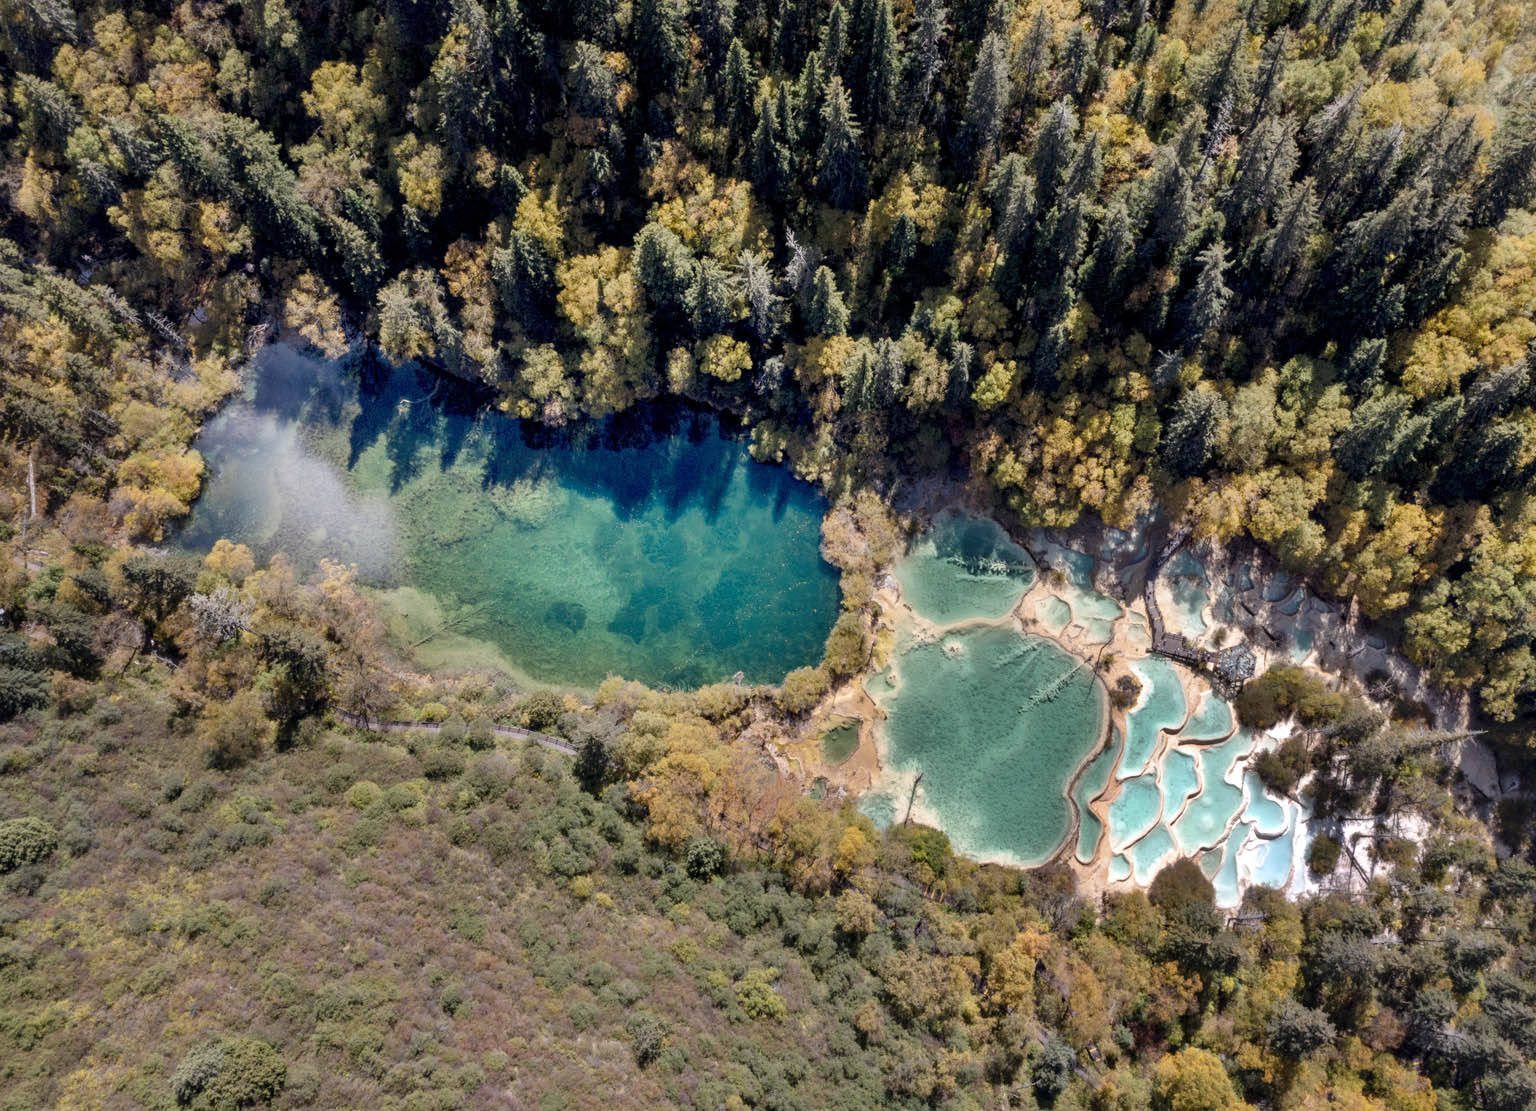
{"x":998,"y":721}
{"x":999,"y":724}
{"x":648,"y":545}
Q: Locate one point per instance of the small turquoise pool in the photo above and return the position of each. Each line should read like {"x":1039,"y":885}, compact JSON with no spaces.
{"x":962,"y":569}
{"x":1162,"y":707}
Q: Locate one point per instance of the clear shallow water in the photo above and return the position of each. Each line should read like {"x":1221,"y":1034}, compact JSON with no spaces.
{"x":998,"y":723}
{"x":1054,"y":613}
{"x":1151,"y":853}
{"x":1208,"y":813}
{"x":962,"y":569}
{"x":1270,"y":861}
{"x":1228,"y":892}
{"x":1270,"y":818}
{"x":1136,"y":809}
{"x":1211,"y":722}
{"x":1189,"y":601}
{"x":1162,"y":707}
{"x":840,"y":740}
{"x":1090,"y":785}
{"x":1180,"y":780}
{"x":879,"y":807}
{"x":649,"y":546}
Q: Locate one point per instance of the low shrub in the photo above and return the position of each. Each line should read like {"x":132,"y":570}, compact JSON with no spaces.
{"x":24,"y":841}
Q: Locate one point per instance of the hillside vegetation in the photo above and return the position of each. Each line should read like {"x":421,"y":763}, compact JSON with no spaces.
{"x":1267,"y":265}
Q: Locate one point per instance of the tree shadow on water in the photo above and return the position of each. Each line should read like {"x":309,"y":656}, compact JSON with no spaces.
{"x":377,"y":398}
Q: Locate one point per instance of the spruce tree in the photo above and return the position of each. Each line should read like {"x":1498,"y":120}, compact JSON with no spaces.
{"x":664,"y":270}
{"x":1103,"y":277}
{"x":1207,"y":301}
{"x":1036,"y":55}
{"x":739,"y":86}
{"x":591,"y":84}
{"x":763,"y":304}
{"x":924,"y":59}
{"x":1055,"y":147}
{"x":525,"y":275}
{"x":660,"y":45}
{"x":827,"y":314}
{"x":1266,"y":163}
{"x":1511,"y":178}
{"x":1076,"y":68}
{"x":810,"y":97}
{"x":769,"y":157}
{"x":839,"y":169}
{"x":902,"y":244}
{"x":834,"y":37}
{"x":985,"y":103}
{"x":717,"y":29}
{"x":1370,"y":442}
{"x":1192,"y":432}
{"x":1281,"y":254}
{"x":709,"y":299}
{"x":877,"y":63}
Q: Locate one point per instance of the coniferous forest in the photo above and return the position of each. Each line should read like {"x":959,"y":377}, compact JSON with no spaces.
{"x":1267,"y":267}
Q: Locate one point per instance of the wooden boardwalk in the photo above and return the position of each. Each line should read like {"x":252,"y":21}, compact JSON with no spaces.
{"x":1175,"y":645}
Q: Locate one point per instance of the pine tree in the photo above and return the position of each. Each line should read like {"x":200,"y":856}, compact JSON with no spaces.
{"x":763,"y":304}
{"x":827,"y":314}
{"x":925,"y":59}
{"x":839,"y":169}
{"x":1511,"y":178}
{"x":1036,"y":54}
{"x":660,"y":45}
{"x":1055,"y":148}
{"x":769,"y":156}
{"x":877,"y":62}
{"x":1207,"y":301}
{"x":709,"y":299}
{"x":1103,"y":279}
{"x":985,"y":103}
{"x":717,"y":29}
{"x":1192,"y":432}
{"x":737,"y":94}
